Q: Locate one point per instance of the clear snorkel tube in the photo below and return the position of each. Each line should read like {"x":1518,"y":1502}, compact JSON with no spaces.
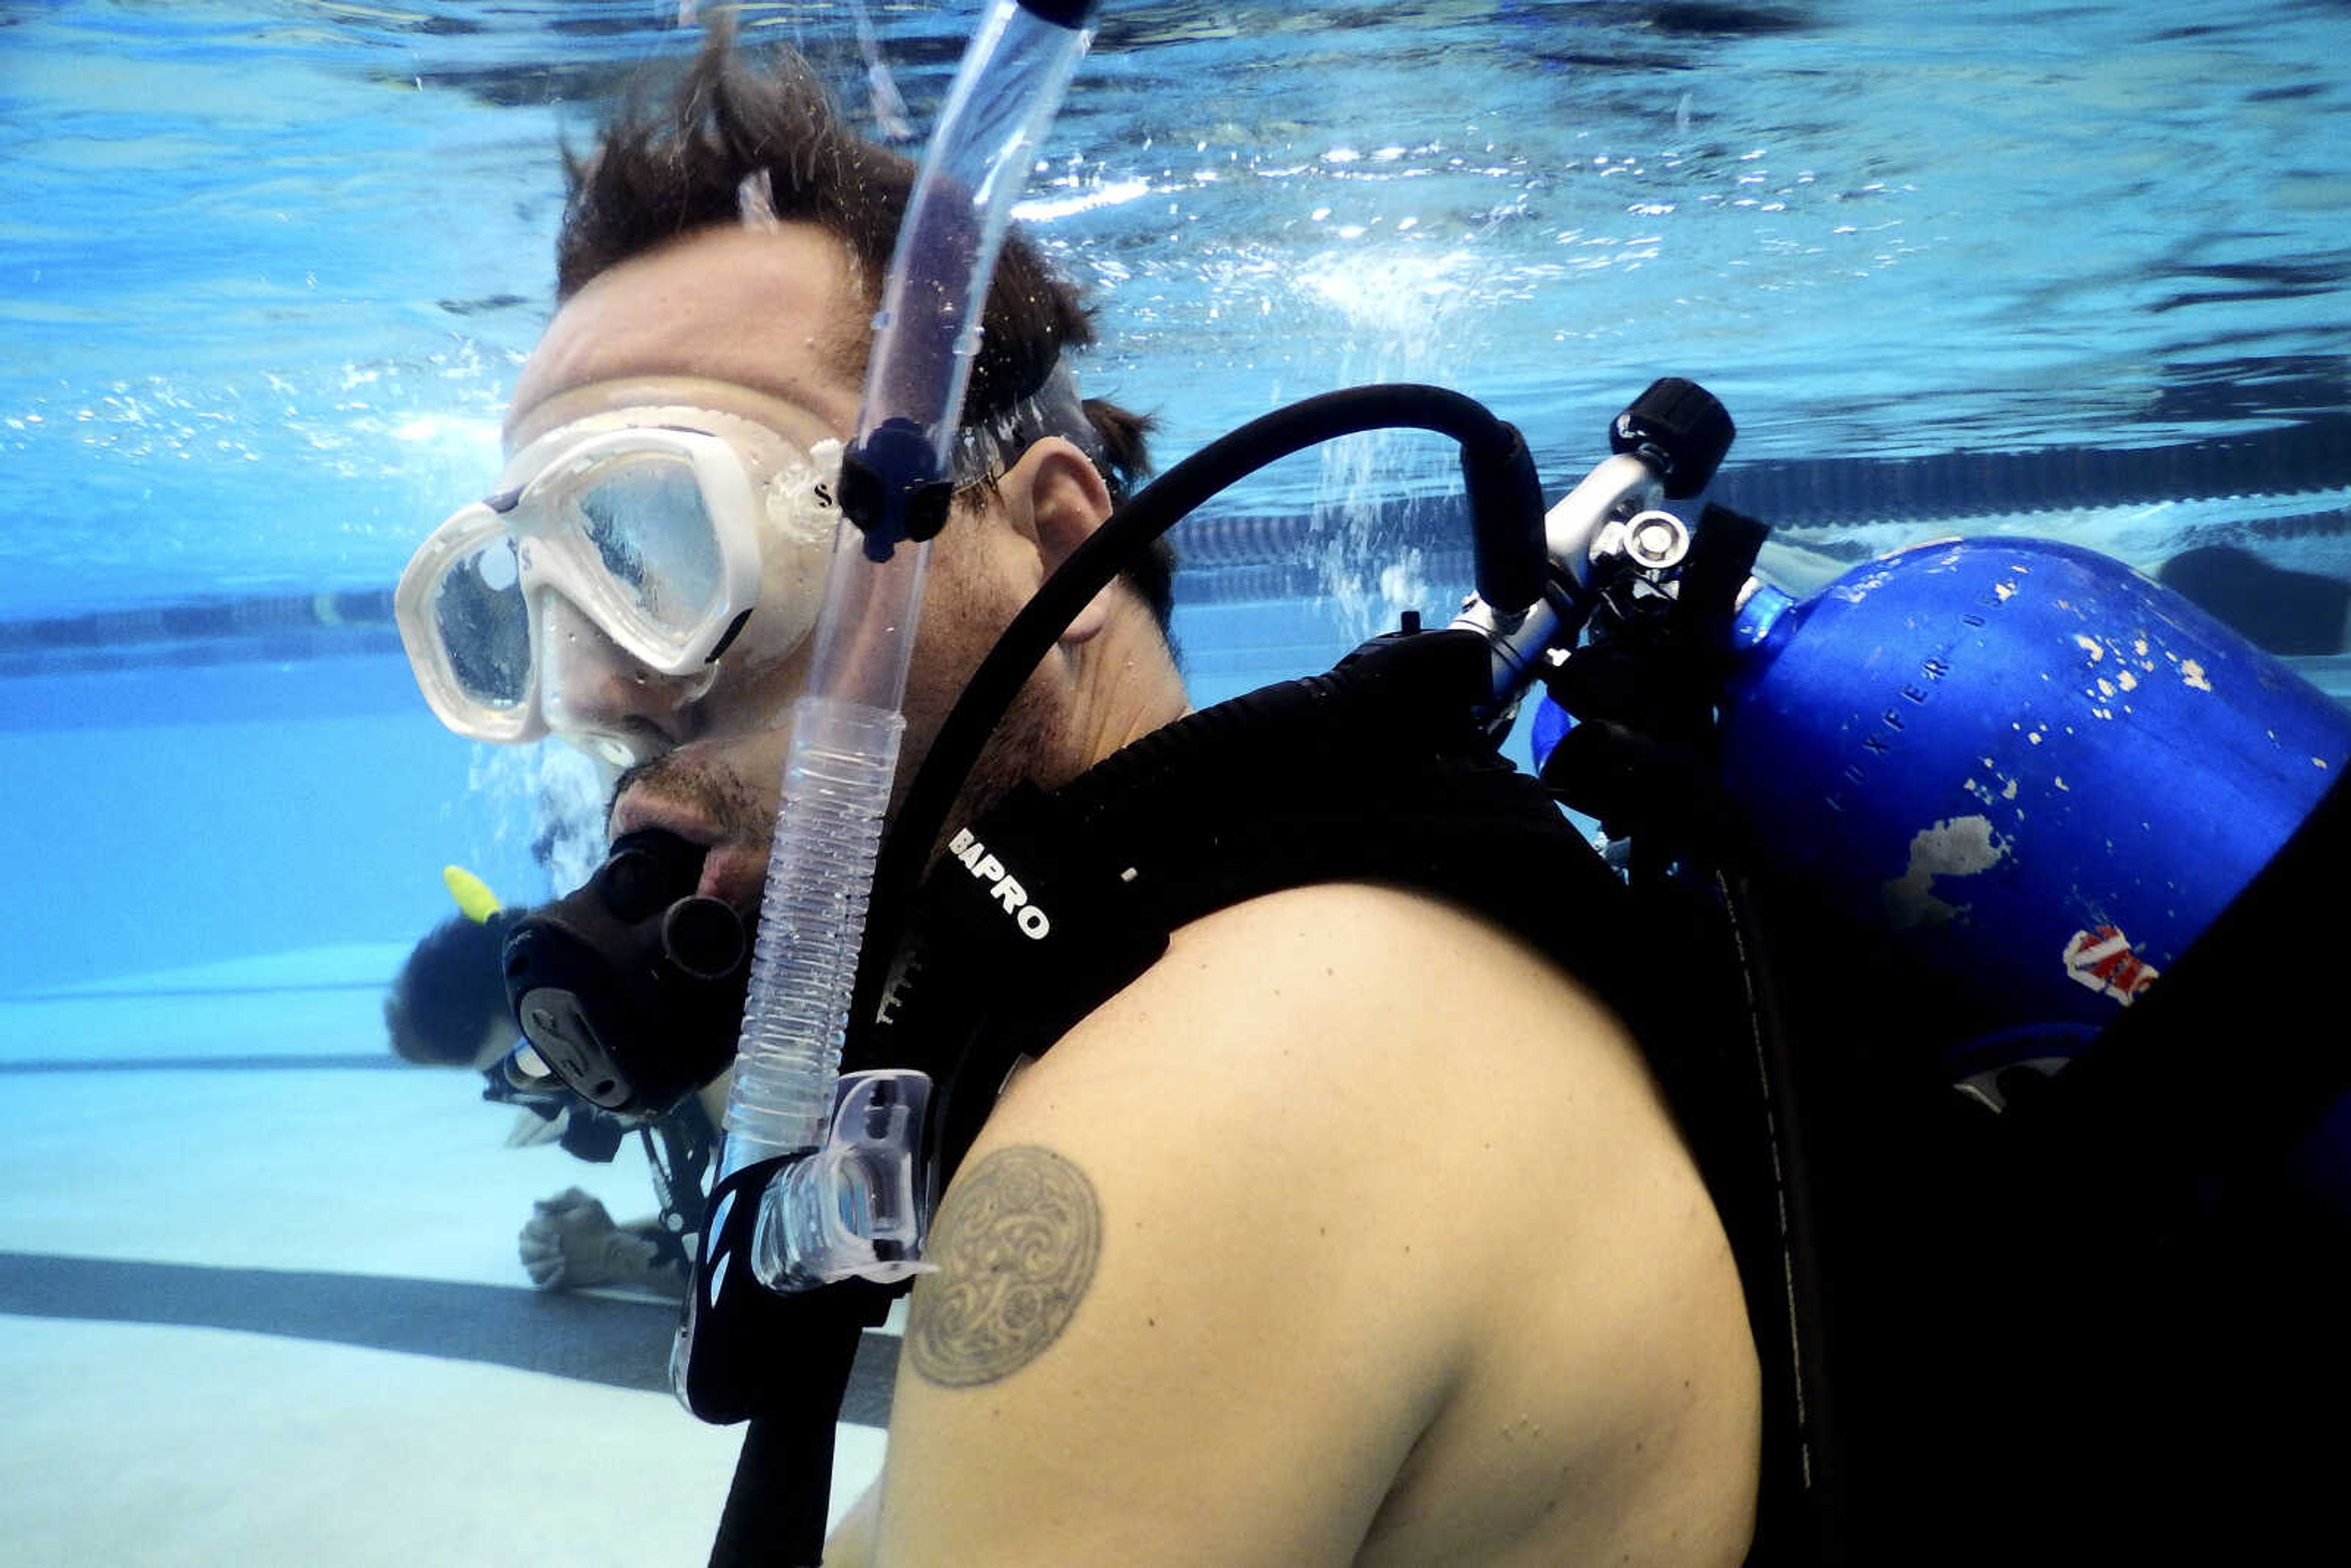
{"x":852,"y":1206}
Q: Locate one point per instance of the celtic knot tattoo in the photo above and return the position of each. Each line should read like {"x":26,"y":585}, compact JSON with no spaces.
{"x":1016,"y":1243}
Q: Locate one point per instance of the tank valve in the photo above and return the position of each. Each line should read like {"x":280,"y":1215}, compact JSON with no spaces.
{"x":1652,"y":542}
{"x":1657,"y":541}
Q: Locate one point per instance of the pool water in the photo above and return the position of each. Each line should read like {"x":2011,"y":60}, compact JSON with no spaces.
{"x":268,"y":269}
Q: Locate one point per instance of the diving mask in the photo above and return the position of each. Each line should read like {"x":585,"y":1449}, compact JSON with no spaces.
{"x":633,"y":544}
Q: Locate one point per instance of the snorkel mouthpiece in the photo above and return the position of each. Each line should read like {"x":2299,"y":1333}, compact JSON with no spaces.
{"x":787,"y":1102}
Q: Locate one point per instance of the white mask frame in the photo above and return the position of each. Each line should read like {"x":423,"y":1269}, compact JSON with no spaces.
{"x":732,"y":481}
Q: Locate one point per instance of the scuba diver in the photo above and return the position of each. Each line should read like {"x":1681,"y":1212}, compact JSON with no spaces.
{"x":1272,"y":1256}
{"x":2283,"y":611}
{"x":1333,"y":1158}
{"x":448,"y":1007}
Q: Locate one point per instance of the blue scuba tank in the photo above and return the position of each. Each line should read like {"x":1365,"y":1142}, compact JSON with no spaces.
{"x":2044,"y":775}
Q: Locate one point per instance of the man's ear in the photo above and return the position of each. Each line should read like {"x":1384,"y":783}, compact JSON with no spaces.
{"x":1059,"y":498}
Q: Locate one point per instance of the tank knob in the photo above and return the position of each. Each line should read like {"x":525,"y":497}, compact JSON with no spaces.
{"x":1677,"y":428}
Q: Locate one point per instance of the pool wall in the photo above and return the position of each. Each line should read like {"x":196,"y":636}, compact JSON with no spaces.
{"x":173,"y":817}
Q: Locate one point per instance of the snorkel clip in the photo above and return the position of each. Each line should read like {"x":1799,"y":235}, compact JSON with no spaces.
{"x":890,"y":488}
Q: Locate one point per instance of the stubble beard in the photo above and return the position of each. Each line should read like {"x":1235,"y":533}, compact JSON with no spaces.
{"x":1026,"y":745}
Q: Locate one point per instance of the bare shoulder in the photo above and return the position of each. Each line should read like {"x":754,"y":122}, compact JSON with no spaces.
{"x":1366,"y":1025}
{"x":1272,"y":1239}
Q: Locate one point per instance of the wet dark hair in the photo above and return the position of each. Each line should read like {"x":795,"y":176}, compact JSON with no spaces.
{"x":450,"y":991}
{"x":672,"y":159}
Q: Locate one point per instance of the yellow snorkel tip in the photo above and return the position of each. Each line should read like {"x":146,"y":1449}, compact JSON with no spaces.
{"x":474,"y":896}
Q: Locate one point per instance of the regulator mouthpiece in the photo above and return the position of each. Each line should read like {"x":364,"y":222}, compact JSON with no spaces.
{"x":631,"y":990}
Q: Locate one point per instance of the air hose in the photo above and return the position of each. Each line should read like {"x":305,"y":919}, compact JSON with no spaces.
{"x":1506,"y":499}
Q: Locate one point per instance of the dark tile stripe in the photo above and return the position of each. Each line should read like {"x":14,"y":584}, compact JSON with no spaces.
{"x":590,"y":1339}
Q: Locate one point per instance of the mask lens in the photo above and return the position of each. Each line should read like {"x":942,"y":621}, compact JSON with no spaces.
{"x":483,"y":626}
{"x":651,"y":527}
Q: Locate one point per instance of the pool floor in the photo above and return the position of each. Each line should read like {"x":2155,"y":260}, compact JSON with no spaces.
{"x":262,"y":1308}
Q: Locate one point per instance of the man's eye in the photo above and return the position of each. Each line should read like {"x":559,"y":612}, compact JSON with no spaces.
{"x":615,"y":540}
{"x":655,"y":536}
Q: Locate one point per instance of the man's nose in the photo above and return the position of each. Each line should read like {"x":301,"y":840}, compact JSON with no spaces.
{"x":594,"y":694}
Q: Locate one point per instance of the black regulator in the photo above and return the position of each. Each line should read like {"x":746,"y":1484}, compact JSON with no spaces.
{"x":630,"y":989}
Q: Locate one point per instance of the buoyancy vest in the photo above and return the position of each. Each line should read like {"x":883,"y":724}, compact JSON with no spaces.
{"x":1376,"y":772}
{"x":1053,"y":902}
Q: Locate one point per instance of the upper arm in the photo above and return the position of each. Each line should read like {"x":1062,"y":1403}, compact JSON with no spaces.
{"x":1211,"y":1272}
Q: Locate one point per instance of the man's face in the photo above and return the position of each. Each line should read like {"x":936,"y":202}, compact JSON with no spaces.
{"x":769,"y":324}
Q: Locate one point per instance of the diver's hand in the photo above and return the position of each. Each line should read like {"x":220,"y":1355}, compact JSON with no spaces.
{"x":570,"y":1243}
{"x":531,"y":1129}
